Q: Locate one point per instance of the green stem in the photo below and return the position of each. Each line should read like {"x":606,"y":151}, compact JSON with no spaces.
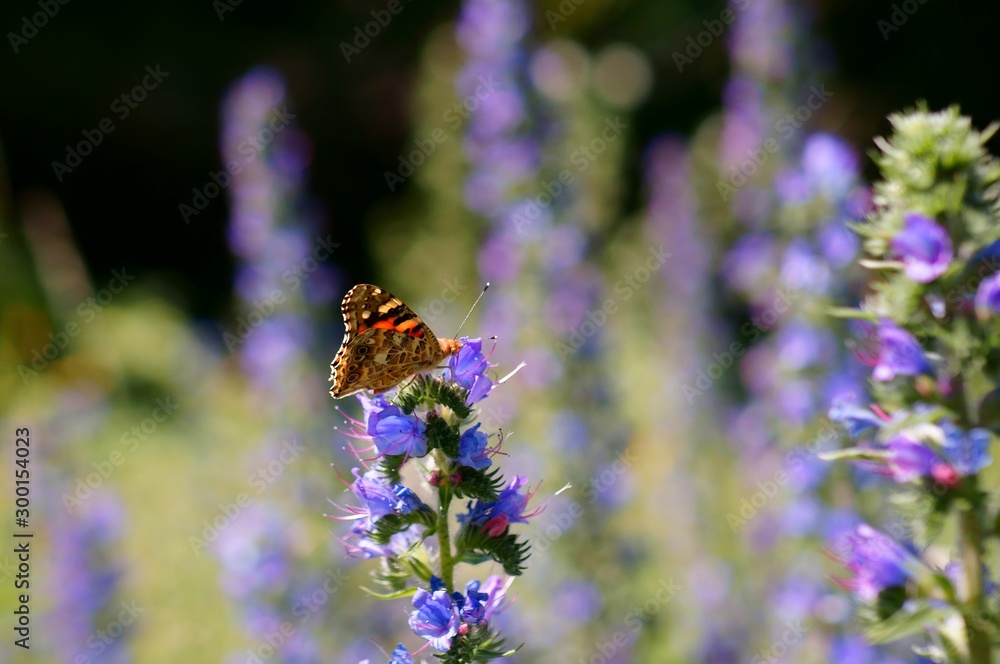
{"x":443,"y":525}
{"x":971,"y":547}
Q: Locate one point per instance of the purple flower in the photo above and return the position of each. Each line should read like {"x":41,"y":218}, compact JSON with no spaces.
{"x":968,"y":452}
{"x":899,"y":353}
{"x":855,"y":420}
{"x":909,"y":459}
{"x":393,"y":431}
{"x":988,"y":296}
{"x":469,"y":367}
{"x":472,"y":449}
{"x":495,"y":516}
{"x":434,"y":617}
{"x":924,"y":247}
{"x":478,"y":605}
{"x":400,"y":655}
{"x":379,"y":498}
{"x":875,"y":560}
{"x":399,"y":544}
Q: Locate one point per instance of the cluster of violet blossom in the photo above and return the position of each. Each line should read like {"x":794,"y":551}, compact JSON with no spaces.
{"x":429,"y":421}
{"x":931,"y":327}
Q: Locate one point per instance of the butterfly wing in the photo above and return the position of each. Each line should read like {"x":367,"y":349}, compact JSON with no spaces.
{"x":385,"y":342}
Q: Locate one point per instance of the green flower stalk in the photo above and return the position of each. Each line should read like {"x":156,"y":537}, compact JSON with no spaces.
{"x":931,"y":327}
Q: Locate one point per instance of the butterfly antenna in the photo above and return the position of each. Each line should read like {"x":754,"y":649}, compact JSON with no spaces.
{"x":471,"y":309}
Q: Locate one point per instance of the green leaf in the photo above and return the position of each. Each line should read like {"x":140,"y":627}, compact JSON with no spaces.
{"x":853,"y":453}
{"x":393,"y":595}
{"x":910,"y":620}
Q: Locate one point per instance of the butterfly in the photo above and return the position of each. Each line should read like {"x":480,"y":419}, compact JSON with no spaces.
{"x":385,"y":343}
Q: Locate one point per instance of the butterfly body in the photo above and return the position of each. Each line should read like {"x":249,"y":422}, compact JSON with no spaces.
{"x":385,"y":343}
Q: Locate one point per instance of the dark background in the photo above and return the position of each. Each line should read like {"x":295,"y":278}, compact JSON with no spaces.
{"x":126,"y":193}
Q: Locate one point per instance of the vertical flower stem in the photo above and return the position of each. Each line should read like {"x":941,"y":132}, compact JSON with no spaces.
{"x":972,"y":566}
{"x":443,"y":525}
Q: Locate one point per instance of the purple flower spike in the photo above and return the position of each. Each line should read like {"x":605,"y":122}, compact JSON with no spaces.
{"x":434,"y":618}
{"x":988,"y":297}
{"x":899,"y":354}
{"x":876,"y":561}
{"x":924,"y":247}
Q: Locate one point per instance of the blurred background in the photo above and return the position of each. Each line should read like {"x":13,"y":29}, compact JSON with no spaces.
{"x":659,"y":193}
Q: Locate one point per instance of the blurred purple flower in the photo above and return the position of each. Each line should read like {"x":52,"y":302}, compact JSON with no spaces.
{"x":875,"y":561}
{"x":988,"y":296}
{"x":830,"y":164}
{"x":899,"y":353}
{"x":924,"y":247}
{"x":909,"y":459}
{"x":856,"y":420}
{"x":399,"y":544}
{"x":968,"y":452}
{"x":472,"y":448}
{"x":400,"y":655}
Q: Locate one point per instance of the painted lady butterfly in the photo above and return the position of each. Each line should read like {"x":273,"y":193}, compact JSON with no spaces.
{"x":384,"y":344}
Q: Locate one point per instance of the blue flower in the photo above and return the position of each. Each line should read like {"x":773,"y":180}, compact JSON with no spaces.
{"x":968,"y":452}
{"x":479,"y":603}
{"x":393,"y":431}
{"x":379,"y":498}
{"x":924,"y":247}
{"x":469,"y":367}
{"x":875,"y":560}
{"x":855,"y":420}
{"x":899,"y":353}
{"x":472,"y":449}
{"x":988,"y":296}
{"x":434,"y":617}
{"x":400,"y":655}
{"x":495,"y":516}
